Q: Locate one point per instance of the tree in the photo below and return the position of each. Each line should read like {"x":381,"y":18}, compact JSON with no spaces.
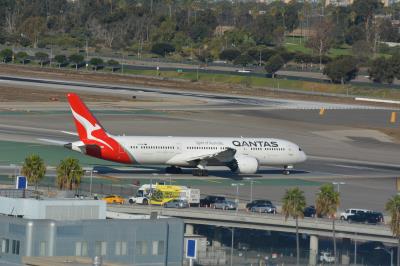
{"x":243,"y":60}
{"x":61,"y":59}
{"x":365,"y":10}
{"x":204,"y":55}
{"x":395,"y":62}
{"x":274,"y":64}
{"x":361,"y":50}
{"x":22,"y":57}
{"x":34,"y":169}
{"x":229,"y":54}
{"x":162,"y":48}
{"x":69,"y":174}
{"x":341,"y":70}
{"x":294,"y":203}
{"x":76,"y":59}
{"x":33,"y":27}
{"x":393,"y":208}
{"x":96,"y":63}
{"x":322,"y":40}
{"x":112,"y":62}
{"x":381,"y":70}
{"x":42,"y":57}
{"x":326,"y":204}
{"x":6,"y":55}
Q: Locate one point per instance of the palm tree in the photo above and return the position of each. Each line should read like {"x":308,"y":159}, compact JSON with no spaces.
{"x":34,"y":169}
{"x":69,"y":174}
{"x":327,"y":203}
{"x":393,"y":207}
{"x":294,"y":203}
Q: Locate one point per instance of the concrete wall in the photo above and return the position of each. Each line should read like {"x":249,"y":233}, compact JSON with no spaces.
{"x":56,"y":209}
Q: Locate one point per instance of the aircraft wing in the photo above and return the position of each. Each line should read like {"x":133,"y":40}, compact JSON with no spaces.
{"x":226,"y":155}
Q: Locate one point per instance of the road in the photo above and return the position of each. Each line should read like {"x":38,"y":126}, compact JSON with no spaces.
{"x":260,"y":221}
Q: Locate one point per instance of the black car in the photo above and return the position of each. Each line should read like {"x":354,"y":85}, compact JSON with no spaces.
{"x":257,"y":202}
{"x":309,"y":211}
{"x":209,"y":200}
{"x":367,"y":217}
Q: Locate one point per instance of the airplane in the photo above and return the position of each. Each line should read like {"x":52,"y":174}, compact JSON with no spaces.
{"x":241,"y":155}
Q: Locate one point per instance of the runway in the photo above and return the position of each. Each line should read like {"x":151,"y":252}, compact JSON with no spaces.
{"x":349,"y":144}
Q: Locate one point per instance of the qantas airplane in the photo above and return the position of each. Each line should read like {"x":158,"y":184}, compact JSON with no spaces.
{"x":240,"y":155}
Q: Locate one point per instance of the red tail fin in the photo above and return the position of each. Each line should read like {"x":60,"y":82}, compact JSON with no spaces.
{"x":85,"y":121}
{"x":98,"y":143}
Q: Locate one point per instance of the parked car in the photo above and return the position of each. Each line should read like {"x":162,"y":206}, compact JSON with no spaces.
{"x":349,"y":212}
{"x":255,"y":202}
{"x":366,"y":217}
{"x":264,"y":207}
{"x":114,"y":199}
{"x":310,"y":211}
{"x":209,"y":200}
{"x":326,"y":257}
{"x":224,"y":205}
{"x":176,"y":203}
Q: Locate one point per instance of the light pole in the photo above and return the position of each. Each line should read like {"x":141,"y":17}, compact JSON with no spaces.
{"x":91,"y":179}
{"x":232,"y":238}
{"x":389,"y":251}
{"x":251,"y":187}
{"x":237,"y":194}
{"x":155,"y":175}
{"x":338,"y":185}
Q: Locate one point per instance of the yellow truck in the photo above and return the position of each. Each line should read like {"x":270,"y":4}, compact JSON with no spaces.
{"x":157,"y":194}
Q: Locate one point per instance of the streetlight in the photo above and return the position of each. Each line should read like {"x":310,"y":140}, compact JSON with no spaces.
{"x":232,"y":238}
{"x":251,"y":187}
{"x":155,"y":175}
{"x":91,"y":179}
{"x":237,"y":194}
{"x":338,"y":185}
{"x":390,"y":252}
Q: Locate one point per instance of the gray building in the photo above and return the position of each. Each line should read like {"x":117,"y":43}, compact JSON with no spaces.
{"x":127,"y":242}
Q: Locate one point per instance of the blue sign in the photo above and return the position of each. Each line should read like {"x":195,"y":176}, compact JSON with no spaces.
{"x":21,"y":183}
{"x":191,"y":248}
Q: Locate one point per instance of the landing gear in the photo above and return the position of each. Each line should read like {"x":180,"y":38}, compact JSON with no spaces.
{"x":173,"y":170}
{"x":286,"y":169}
{"x":199,"y":172}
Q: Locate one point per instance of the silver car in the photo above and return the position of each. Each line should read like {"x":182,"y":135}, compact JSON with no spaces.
{"x":264,"y":207}
{"x":225,"y":205}
{"x":176,"y":203}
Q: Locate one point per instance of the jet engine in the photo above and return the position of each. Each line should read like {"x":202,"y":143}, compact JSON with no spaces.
{"x":243,"y":164}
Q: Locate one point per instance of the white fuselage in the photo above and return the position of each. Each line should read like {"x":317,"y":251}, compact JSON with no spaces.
{"x":178,"y":151}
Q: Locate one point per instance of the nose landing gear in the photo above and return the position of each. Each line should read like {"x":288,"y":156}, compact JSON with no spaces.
{"x":287,"y":168}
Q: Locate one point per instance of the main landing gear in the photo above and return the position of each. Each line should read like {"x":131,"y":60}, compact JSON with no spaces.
{"x":286,"y":169}
{"x":199,"y":172}
{"x":173,"y":170}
